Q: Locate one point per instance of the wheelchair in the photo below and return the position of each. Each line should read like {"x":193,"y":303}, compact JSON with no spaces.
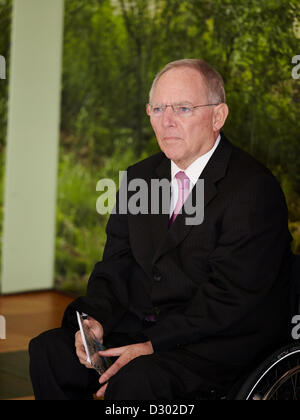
{"x":278,"y":377}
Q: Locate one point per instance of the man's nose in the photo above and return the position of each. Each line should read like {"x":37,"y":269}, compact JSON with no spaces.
{"x":169,"y":117}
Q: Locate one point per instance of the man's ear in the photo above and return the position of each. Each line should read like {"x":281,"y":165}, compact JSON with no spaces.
{"x":219,"y":117}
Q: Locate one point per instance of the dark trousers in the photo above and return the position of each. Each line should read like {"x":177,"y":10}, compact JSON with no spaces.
{"x":57,"y":374}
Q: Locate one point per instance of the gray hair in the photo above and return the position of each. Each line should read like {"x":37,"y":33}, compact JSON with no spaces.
{"x":213,"y":79}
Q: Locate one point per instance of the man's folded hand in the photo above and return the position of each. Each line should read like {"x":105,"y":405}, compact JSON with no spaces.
{"x":126,"y":354}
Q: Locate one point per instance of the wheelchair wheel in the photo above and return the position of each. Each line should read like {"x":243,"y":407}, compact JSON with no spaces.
{"x":276,"y":379}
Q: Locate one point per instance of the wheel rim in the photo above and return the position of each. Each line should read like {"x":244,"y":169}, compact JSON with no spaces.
{"x":281,"y":381}
{"x":288,"y":383}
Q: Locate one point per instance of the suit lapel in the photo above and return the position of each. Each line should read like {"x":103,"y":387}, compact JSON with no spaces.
{"x":159,"y":222}
{"x":214,"y":171}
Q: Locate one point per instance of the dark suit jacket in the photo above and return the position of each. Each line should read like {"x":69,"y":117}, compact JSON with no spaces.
{"x":220,"y":289}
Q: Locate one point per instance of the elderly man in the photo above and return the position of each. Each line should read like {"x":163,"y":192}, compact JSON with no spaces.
{"x":182,"y":309}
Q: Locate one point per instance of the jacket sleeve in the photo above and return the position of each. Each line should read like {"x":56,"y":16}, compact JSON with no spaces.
{"x":244,"y":267}
{"x":107,"y":297}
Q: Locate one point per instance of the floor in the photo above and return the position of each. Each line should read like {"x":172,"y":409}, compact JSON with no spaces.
{"x":26,"y":315}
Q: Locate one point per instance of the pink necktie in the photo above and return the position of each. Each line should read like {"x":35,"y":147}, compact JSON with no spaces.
{"x":183,"y":182}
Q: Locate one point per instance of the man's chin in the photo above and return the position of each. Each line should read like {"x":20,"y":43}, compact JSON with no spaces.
{"x":173,"y":155}
{"x":172,"y":152}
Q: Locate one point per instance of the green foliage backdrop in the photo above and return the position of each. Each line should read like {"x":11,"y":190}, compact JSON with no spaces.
{"x":112,"y":50}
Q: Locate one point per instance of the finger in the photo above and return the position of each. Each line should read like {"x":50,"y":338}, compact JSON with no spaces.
{"x":113,"y":369}
{"x":82,"y":356}
{"x":78,"y":340}
{"x":116,"y":351}
{"x":101,"y":391}
{"x":94,"y":328}
{"x":80,"y":351}
{"x":87,"y":365}
{"x":88,"y":323}
{"x":83,"y":359}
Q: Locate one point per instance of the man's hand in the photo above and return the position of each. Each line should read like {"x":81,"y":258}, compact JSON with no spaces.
{"x":126,"y":353}
{"x":97,"y":330}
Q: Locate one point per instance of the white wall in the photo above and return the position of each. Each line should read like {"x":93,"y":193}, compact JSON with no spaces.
{"x":32,"y":146}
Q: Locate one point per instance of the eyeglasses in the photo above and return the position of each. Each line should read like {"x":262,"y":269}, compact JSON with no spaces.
{"x":182,"y":110}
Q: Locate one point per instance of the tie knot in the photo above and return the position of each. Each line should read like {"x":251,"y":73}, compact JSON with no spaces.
{"x":183,"y":180}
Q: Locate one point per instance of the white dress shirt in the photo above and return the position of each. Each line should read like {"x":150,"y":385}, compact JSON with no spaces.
{"x":193,"y":172}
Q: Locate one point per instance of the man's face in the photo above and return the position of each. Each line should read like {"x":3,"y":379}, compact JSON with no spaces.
{"x":183,"y":139}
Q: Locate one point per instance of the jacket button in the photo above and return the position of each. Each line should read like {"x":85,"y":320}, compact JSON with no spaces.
{"x":156,"y":311}
{"x":157,"y":276}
